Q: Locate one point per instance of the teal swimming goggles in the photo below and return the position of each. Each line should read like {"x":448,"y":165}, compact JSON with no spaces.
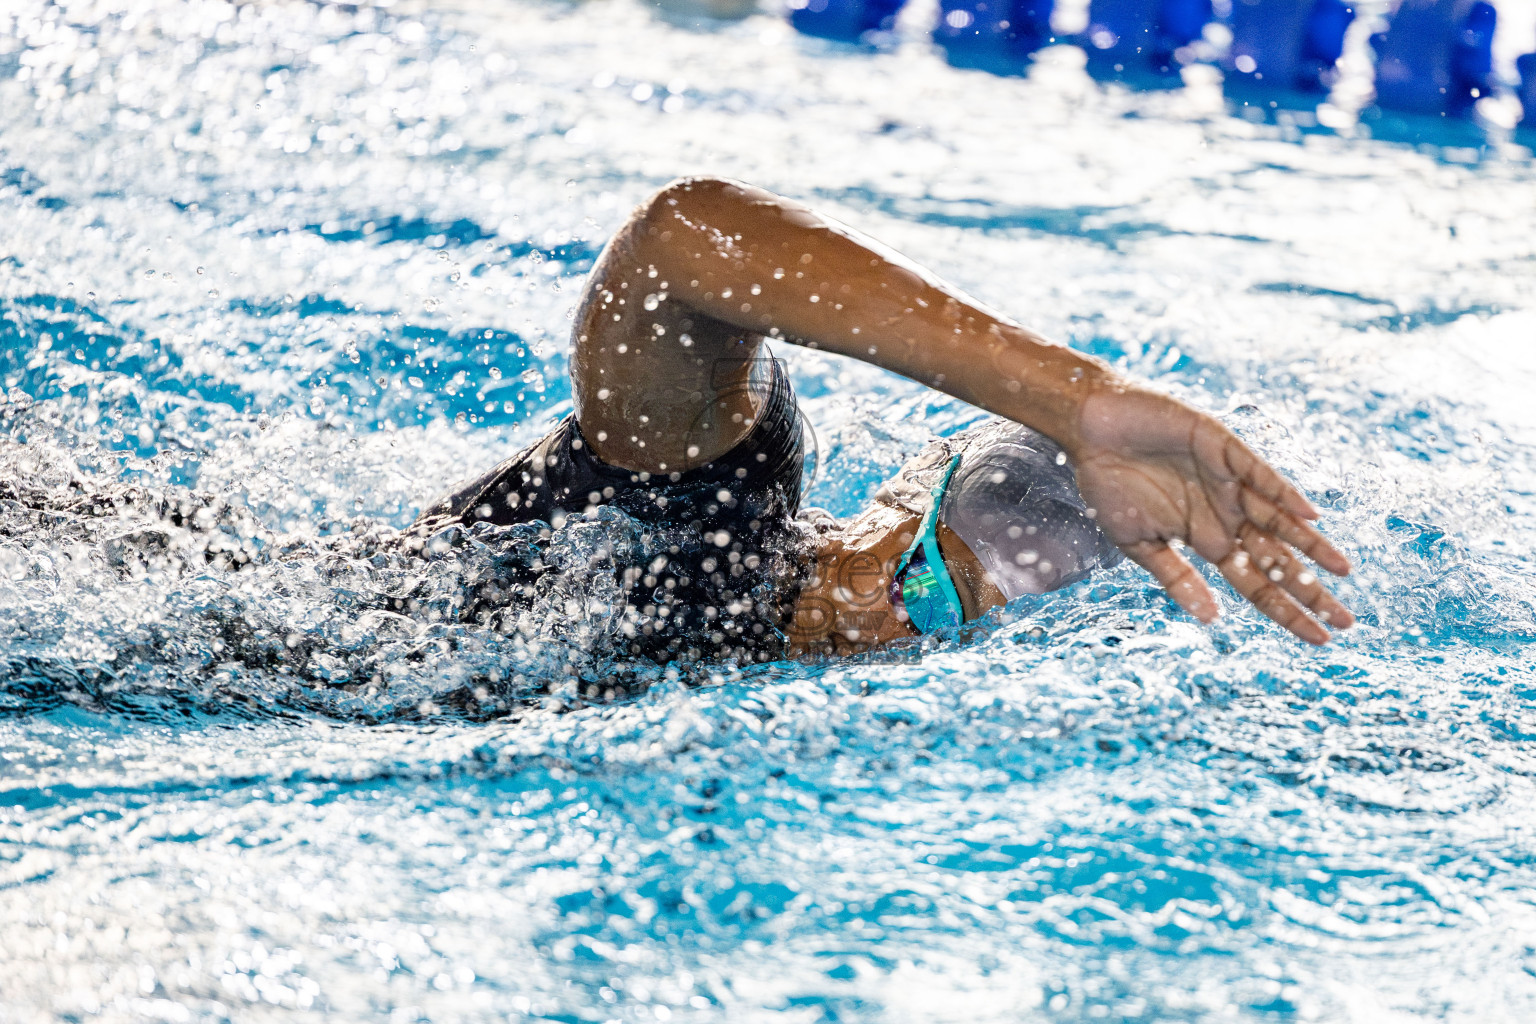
{"x":921,"y":584}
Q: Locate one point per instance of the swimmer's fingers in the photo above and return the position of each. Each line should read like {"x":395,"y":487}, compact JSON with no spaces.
{"x":1302,"y":536}
{"x":1262,"y":478}
{"x":1276,"y":560}
{"x":1268,"y":597}
{"x":1178,"y":577}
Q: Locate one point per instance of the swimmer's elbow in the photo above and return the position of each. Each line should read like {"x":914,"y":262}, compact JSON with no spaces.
{"x":693,"y":199}
{"x":687,"y":191}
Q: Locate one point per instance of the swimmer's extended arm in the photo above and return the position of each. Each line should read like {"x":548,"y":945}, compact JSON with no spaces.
{"x":685,"y":292}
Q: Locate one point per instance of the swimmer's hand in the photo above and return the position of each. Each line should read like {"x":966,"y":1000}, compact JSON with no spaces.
{"x":1157,"y":471}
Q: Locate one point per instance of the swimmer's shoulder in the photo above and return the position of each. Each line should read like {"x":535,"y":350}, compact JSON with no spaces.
{"x":505,"y":494}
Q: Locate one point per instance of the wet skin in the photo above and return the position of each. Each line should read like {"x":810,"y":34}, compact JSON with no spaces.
{"x":672,"y":323}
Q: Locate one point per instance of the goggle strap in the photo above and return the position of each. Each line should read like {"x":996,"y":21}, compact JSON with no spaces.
{"x":941,"y":573}
{"x":928,"y":539}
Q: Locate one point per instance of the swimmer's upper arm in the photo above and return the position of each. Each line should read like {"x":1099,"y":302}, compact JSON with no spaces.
{"x":682,"y":296}
{"x":658,"y":383}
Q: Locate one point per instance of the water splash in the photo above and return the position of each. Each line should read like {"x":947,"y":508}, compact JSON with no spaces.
{"x":241,"y":776}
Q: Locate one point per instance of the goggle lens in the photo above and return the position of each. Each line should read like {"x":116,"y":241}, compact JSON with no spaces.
{"x":923,"y":596}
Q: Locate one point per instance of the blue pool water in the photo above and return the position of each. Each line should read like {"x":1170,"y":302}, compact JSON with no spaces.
{"x":289,"y":269}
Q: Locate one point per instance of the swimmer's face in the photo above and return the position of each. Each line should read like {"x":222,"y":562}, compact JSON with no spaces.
{"x":846,"y":608}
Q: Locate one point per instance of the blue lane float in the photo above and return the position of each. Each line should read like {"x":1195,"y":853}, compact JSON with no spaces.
{"x":1179,"y":23}
{"x":1130,"y":36}
{"x":1526,"y":66}
{"x":1436,"y":57}
{"x":994,"y":35}
{"x":1287,"y":44}
{"x":1324,"y":41}
{"x":1472,"y":74}
{"x":1122,"y":31}
{"x":846,"y":21}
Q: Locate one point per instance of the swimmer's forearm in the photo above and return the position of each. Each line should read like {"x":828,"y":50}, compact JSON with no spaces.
{"x":769,"y":265}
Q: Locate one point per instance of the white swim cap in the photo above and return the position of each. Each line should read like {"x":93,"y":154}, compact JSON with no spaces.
{"x":1014,"y":501}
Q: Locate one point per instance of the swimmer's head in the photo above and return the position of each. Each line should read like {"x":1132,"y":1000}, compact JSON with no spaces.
{"x":1010,"y":522}
{"x":1014,"y":501}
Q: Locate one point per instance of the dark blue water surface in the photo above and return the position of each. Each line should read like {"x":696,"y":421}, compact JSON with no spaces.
{"x":271,"y":276}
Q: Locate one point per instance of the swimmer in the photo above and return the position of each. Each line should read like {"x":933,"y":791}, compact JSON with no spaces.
{"x":685,"y":424}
